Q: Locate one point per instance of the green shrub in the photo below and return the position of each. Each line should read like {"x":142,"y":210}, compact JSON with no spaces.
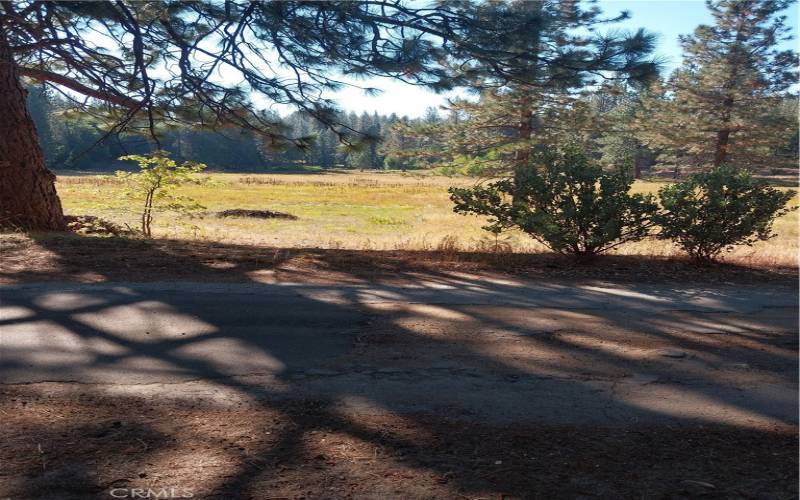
{"x":713,"y":211}
{"x":155,"y":183}
{"x":564,"y":200}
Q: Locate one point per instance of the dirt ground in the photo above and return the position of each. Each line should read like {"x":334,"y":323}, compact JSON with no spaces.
{"x":66,"y":446}
{"x":70,"y":257}
{"x":191,"y":439}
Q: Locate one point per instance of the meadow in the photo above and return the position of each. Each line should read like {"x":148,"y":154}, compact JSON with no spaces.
{"x":356,"y":210}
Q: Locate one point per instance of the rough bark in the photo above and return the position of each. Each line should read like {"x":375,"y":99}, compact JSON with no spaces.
{"x":721,"y":147}
{"x":28,"y":199}
{"x":524,"y":130}
{"x":723,"y":138}
{"x":637,"y":167}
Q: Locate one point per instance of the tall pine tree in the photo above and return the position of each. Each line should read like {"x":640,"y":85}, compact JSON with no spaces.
{"x":721,"y":105}
{"x":512,"y":118}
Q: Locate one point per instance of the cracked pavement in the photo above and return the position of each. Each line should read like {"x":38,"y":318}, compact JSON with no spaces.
{"x":469,"y":346}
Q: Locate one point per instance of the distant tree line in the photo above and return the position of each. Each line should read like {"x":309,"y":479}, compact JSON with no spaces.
{"x":77,"y":140}
{"x":732,"y":101}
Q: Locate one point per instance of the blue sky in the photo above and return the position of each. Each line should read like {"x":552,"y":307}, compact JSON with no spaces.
{"x":666,"y":18}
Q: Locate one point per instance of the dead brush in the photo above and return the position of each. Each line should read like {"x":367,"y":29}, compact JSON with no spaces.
{"x":257,"y":214}
{"x":449,"y":246}
{"x":91,"y":225}
{"x":87,"y":180}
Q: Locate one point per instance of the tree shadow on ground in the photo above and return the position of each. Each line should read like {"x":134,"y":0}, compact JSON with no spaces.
{"x":65,"y":256}
{"x":437,"y":384}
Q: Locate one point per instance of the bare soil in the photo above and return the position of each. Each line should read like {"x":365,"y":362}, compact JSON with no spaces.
{"x":67,"y":446}
{"x":81,"y":441}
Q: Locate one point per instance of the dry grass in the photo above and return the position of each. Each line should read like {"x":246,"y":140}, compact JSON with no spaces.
{"x":360,"y":211}
{"x":89,"y":259}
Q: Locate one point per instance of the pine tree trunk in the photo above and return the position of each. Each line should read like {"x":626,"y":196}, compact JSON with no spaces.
{"x":721,"y":150}
{"x":637,"y":167}
{"x":724,"y":133}
{"x":28,"y":198}
{"x":524,"y":130}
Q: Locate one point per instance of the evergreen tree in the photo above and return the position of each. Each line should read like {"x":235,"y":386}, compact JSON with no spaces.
{"x":512,"y":118}
{"x":325,"y":148}
{"x":618,"y":145}
{"x":158,"y":60}
{"x":396,"y":142}
{"x":75,"y":140}
{"x":40,"y":105}
{"x":414,"y":143}
{"x":720,"y":105}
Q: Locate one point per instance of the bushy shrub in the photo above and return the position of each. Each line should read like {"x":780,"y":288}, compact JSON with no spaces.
{"x":713,"y":211}
{"x":564,"y":200}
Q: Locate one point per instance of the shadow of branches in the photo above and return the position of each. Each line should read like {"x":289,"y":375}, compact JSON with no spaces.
{"x":434,"y":384}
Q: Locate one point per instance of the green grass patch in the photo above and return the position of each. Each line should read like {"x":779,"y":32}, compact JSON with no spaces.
{"x":372,"y":210}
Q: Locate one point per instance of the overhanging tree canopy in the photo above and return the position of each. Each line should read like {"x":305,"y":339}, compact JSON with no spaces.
{"x":219,"y":63}
{"x":568,"y":52}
